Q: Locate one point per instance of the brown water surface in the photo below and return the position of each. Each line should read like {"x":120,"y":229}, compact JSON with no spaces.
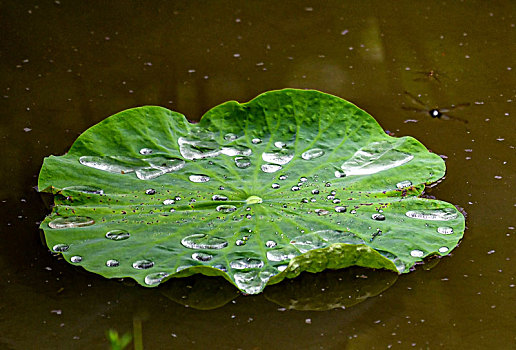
{"x":66,"y":65}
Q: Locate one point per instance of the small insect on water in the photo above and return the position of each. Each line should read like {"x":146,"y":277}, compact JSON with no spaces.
{"x":440,"y":113}
{"x":429,"y":75}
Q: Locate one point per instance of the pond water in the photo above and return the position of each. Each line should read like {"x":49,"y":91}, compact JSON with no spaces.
{"x":68,"y":65}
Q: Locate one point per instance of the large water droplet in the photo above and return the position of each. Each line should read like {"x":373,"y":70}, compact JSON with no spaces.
{"x":85,"y":189}
{"x":150,"y":191}
{"x":203,"y":257}
{"x":315,"y":191}
{"x":275,"y":186}
{"x":280,"y":144}
{"x":433,"y":214}
{"x":252,"y":282}
{"x":295,"y":188}
{"x":444,"y":230}
{"x":146,"y":169}
{"x":60,"y":247}
{"x":246,"y":263}
{"x":168,"y":201}
{"x":281,"y":254}
{"x":377,"y":216}
{"x":270,"y":168}
{"x":112,"y":263}
{"x":76,"y":259}
{"x":403,"y":184}
{"x":155,"y":278}
{"x":203,"y":241}
{"x":308,"y":242}
{"x":312,"y":154}
{"x":112,"y":164}
{"x":416,"y":253}
{"x":143,"y":264}
{"x":226,"y":208}
{"x":158,"y":166}
{"x":203,"y":147}
{"x":277,"y":157}
{"x":118,"y":235}
{"x":334,"y":236}
{"x":375,"y":157}
{"x":199,"y":178}
{"x":236,"y":151}
{"x":443,"y":249}
{"x":219,"y":197}
{"x":282,"y":177}
{"x":242,"y":162}
{"x":256,"y":141}
{"x":145,"y":151}
{"x":70,"y":222}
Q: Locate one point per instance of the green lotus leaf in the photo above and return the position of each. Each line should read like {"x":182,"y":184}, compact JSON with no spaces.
{"x":292,"y":181}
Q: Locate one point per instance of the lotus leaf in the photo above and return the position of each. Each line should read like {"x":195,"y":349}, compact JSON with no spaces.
{"x":292,"y":181}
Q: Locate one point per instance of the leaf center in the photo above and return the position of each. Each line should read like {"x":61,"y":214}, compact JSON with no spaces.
{"x":253,"y":200}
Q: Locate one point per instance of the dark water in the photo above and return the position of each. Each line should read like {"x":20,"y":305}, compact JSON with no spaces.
{"x":66,"y":65}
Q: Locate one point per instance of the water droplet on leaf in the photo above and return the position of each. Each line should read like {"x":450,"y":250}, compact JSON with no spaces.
{"x":403,"y":184}
{"x":444,"y":230}
{"x":242,"y":162}
{"x":60,"y":247}
{"x":230,"y":137}
{"x":417,"y":253}
{"x":379,"y":217}
{"x":270,"y":244}
{"x":433,"y":214}
{"x":270,"y":168}
{"x":246,"y":263}
{"x":85,"y":189}
{"x":226,"y":208}
{"x":203,"y":241}
{"x":203,"y":257}
{"x":143,"y":264}
{"x":112,"y":263}
{"x":117,"y":235}
{"x":70,"y":222}
{"x":312,"y":154}
{"x":155,"y":278}
{"x":198,"y":178}
{"x":375,"y":157}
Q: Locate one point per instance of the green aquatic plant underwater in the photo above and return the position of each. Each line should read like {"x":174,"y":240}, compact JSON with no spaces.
{"x":292,"y":181}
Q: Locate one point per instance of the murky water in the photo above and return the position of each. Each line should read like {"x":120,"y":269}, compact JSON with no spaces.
{"x":67,"y":65}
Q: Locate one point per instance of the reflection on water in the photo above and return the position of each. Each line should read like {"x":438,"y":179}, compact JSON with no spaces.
{"x":322,"y":291}
{"x":330,"y":289}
